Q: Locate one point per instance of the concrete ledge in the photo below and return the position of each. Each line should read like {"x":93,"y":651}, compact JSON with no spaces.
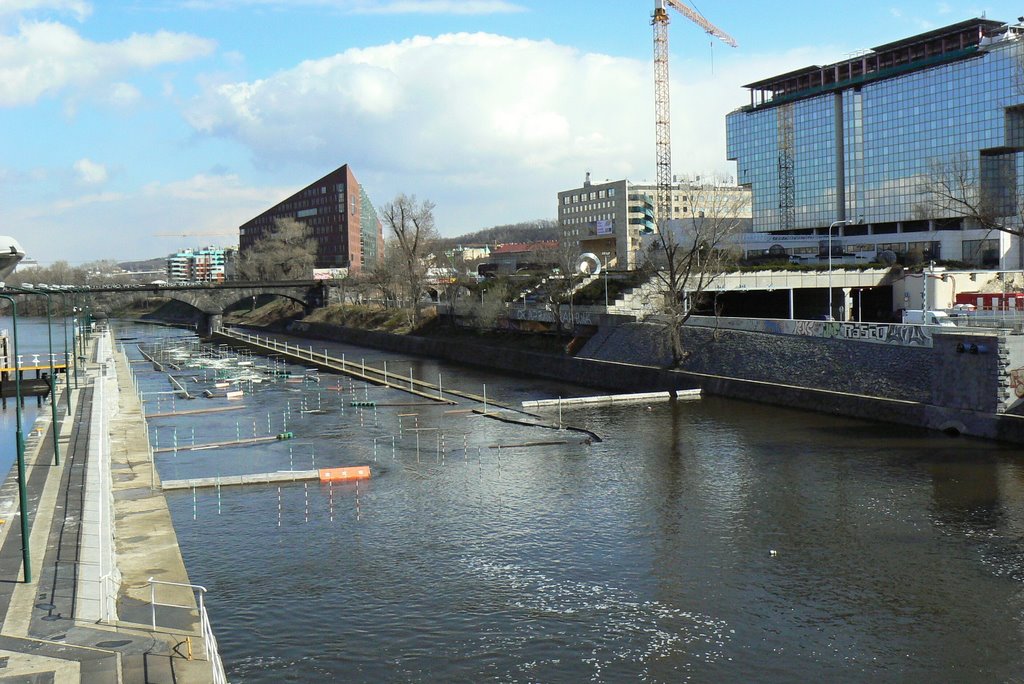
{"x":629,"y":377}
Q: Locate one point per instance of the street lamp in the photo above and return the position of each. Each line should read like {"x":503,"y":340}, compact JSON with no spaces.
{"x":842,"y":222}
{"x":53,"y":385}
{"x":67,"y":358}
{"x":19,"y":440}
{"x":605,"y":255}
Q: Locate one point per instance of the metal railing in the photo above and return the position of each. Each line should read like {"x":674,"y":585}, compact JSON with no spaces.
{"x":205,"y":629}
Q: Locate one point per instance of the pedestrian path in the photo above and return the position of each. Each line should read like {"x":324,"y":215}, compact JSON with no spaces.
{"x":80,"y":618}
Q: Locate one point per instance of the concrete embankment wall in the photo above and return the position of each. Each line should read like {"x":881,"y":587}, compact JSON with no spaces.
{"x":941,"y":386}
{"x":933,"y":380}
{"x":599,"y":374}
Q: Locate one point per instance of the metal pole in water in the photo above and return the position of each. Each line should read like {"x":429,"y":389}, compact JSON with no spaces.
{"x":485,"y":398}
{"x":385,"y":371}
{"x":559,"y":413}
{"x":410,"y":378}
{"x":278,"y":506}
{"x":440,"y":392}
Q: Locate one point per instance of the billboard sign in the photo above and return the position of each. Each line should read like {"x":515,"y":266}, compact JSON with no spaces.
{"x":329,"y":273}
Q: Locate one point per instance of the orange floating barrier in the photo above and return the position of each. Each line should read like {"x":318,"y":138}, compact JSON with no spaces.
{"x":344,"y":474}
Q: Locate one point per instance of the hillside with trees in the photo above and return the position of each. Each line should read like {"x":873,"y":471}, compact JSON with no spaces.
{"x":527,"y":231}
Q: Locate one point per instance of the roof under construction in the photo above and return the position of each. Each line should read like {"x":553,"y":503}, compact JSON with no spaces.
{"x":950,"y":43}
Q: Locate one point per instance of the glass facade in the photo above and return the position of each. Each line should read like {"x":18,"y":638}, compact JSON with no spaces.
{"x":869,"y":148}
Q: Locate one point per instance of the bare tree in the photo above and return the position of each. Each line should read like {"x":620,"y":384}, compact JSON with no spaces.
{"x":385,"y":276}
{"x":982,"y":190}
{"x":687,"y":256}
{"x":288,"y":252}
{"x":557,"y":289}
{"x":412,"y":225}
{"x":493,"y":305}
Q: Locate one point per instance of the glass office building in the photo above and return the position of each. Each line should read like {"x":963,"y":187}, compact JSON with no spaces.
{"x":870,"y":139}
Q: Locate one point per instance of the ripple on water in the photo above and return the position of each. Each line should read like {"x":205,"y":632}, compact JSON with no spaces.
{"x":613,"y":628}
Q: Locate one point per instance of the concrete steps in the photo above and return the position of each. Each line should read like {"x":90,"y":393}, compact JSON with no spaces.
{"x":641,"y":301}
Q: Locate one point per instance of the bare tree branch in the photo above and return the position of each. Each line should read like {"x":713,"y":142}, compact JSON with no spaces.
{"x":687,"y":256}
{"x":412,"y":226}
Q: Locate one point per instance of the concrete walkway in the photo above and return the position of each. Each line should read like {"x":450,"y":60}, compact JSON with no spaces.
{"x":62,"y":626}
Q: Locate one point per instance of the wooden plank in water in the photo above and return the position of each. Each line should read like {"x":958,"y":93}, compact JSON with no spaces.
{"x":523,"y":445}
{"x":570,"y":402}
{"x":216,"y":445}
{"x":192,"y":412}
{"x":251,"y":479}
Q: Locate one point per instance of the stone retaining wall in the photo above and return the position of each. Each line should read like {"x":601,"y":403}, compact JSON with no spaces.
{"x":945,"y":387}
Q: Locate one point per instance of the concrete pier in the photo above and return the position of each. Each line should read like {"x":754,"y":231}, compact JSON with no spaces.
{"x":99,"y":530}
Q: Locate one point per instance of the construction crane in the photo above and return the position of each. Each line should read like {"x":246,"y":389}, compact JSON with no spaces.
{"x":662,"y":109}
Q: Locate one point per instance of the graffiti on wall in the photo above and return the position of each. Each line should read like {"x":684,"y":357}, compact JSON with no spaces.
{"x":875,"y":333}
{"x":1017,"y":382}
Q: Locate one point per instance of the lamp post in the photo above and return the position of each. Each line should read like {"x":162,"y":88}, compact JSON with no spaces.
{"x":74,"y":339}
{"x":842,"y":222}
{"x":19,"y":440}
{"x":67,"y":358}
{"x":53,"y":385}
{"x":605,"y":255}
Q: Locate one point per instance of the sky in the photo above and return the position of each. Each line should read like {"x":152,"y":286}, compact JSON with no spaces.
{"x":132,"y":129}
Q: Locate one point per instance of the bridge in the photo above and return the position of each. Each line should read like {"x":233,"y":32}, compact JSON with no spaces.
{"x":211,"y":299}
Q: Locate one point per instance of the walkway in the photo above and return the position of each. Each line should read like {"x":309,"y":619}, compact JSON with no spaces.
{"x":61,"y":627}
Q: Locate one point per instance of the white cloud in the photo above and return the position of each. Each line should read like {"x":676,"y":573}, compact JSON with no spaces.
{"x":89,"y":172}
{"x":489,"y":127}
{"x":77,"y":8}
{"x":206,"y":203}
{"x":369,"y":6}
{"x":46,"y":58}
{"x":438,"y":7}
{"x":121,"y":94}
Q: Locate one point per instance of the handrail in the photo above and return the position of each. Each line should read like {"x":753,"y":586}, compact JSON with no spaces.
{"x":205,"y":628}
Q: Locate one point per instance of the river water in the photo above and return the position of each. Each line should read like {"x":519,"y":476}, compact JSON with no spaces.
{"x":707,"y":541}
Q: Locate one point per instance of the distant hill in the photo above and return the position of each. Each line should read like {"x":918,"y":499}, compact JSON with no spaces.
{"x":529,"y":231}
{"x":156,"y":264}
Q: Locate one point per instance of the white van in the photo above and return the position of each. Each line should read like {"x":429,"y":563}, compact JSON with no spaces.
{"x":919,"y":317}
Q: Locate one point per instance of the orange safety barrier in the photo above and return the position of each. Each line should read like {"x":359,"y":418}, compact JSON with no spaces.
{"x":344,"y":474}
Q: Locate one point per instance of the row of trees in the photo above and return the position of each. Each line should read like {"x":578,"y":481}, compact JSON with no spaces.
{"x":684,"y":260}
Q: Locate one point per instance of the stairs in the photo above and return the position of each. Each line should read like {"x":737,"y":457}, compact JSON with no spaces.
{"x":641,"y":301}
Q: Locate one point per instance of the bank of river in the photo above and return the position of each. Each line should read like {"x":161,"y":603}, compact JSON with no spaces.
{"x":713,"y":540}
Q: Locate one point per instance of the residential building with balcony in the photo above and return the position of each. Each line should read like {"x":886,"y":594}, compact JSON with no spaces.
{"x":204,"y":265}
